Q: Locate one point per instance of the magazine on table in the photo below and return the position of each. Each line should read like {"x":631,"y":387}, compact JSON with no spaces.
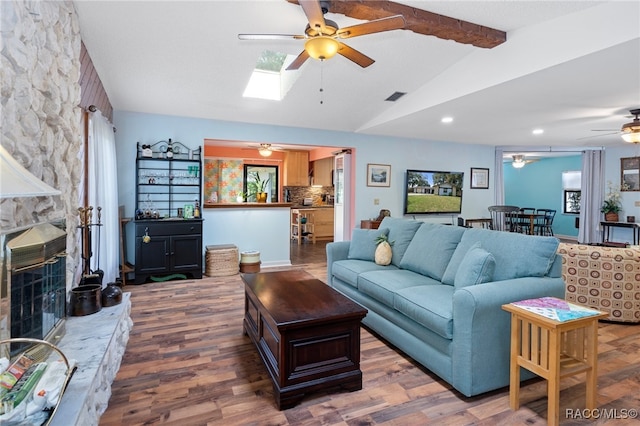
{"x":555,"y":309}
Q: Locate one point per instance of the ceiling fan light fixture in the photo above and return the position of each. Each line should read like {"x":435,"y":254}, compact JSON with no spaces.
{"x":265,"y":152}
{"x":518,"y":161}
{"x":322,"y":47}
{"x":631,"y":132}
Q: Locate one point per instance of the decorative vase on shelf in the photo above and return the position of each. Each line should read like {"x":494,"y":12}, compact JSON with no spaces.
{"x":611,"y":217}
{"x":261,"y":197}
{"x":111,"y":295}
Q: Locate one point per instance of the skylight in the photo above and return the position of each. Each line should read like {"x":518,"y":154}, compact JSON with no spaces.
{"x":269,"y":79}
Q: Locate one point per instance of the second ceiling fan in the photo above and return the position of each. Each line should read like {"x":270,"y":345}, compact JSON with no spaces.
{"x":323,"y":35}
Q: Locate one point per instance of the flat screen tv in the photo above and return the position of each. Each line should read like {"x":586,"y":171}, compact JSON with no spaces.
{"x":433,"y":192}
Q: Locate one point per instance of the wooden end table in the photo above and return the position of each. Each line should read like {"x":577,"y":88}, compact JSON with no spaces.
{"x":307,"y":334}
{"x":553,"y":349}
{"x":370,"y":224}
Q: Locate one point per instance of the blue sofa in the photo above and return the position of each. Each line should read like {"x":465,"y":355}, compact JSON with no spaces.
{"x":439,"y":301}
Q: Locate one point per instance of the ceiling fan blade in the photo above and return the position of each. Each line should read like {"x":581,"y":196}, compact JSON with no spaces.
{"x":297,"y":63}
{"x":355,"y":56}
{"x":598,"y":136}
{"x":270,"y":36}
{"x":379,"y":25}
{"x":314,"y":14}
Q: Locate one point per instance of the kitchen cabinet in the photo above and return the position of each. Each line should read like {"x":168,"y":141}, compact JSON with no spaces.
{"x":165,"y":247}
{"x":323,"y":224}
{"x":323,"y":172}
{"x":296,"y":168}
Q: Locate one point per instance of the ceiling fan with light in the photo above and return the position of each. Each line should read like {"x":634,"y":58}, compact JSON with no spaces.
{"x":630,"y":132}
{"x":323,"y":35}
{"x":519,"y":161}
{"x":266,"y":149}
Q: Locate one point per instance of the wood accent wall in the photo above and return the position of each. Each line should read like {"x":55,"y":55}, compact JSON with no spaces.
{"x":91,"y":90}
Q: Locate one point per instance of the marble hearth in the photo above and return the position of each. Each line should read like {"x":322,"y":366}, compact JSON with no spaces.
{"x":96,"y":343}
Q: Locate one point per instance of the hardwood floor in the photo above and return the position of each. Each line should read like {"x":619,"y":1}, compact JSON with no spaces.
{"x":188,"y":363}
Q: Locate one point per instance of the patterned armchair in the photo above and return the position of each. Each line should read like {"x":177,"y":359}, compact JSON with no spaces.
{"x":604,"y":278}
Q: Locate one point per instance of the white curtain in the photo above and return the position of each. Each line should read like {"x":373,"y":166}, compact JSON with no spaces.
{"x":592,"y":196}
{"x":103,"y":193}
{"x":498,"y":178}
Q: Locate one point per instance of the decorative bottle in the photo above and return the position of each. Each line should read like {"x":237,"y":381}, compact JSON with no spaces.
{"x":196,"y":209}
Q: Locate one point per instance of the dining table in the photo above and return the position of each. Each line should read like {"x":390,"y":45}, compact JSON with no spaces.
{"x":531,"y":218}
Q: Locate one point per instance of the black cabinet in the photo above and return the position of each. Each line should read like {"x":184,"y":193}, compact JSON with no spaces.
{"x":168,"y":178}
{"x":165,"y":247}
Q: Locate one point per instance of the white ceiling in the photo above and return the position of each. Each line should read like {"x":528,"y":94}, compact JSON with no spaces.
{"x":567,"y":67}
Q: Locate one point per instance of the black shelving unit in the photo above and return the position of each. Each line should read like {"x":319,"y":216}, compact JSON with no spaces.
{"x":164,"y":183}
{"x":167,"y":244}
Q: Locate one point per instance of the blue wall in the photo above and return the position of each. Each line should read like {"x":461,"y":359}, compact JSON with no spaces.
{"x":399,"y":153}
{"x":539,"y":185}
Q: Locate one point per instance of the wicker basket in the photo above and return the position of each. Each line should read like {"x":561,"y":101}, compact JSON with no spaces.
{"x":43,"y":356}
{"x":221,"y":260}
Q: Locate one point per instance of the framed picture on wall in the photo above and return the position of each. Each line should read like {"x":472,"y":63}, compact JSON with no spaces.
{"x":479,"y":178}
{"x":630,"y":174}
{"x":378,"y":175}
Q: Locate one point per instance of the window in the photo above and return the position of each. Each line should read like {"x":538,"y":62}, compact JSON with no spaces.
{"x":260,"y":178}
{"x":572,"y":201}
{"x":270,"y":79}
{"x":571,"y":185}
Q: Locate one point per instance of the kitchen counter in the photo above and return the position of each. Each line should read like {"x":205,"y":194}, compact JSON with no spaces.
{"x":301,"y":207}
{"x":245,"y":205}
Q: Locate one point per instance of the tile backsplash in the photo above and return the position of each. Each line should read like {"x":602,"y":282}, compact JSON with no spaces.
{"x":319,"y":195}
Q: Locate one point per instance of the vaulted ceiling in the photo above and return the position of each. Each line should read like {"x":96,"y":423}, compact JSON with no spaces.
{"x":568,"y":67}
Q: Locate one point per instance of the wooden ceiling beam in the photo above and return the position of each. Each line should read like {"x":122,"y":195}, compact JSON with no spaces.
{"x":420,"y":21}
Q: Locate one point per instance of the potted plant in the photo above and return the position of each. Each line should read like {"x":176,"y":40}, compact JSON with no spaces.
{"x":258,"y":187}
{"x":611,"y":206}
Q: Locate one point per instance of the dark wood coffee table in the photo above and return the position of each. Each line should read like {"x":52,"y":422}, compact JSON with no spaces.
{"x":307,"y":334}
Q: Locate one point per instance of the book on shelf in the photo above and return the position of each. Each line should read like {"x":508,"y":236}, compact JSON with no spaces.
{"x":555,"y":309}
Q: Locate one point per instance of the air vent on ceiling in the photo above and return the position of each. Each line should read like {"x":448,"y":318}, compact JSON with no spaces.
{"x":395,"y":96}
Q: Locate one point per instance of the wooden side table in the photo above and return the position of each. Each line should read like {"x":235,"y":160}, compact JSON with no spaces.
{"x":370,"y":224}
{"x":553,"y":349}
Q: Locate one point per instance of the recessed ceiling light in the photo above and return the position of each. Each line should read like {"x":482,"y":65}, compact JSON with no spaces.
{"x":538,"y":131}
{"x":447,"y":119}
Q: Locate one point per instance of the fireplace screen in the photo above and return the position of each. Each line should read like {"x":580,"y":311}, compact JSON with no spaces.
{"x":34,"y":289}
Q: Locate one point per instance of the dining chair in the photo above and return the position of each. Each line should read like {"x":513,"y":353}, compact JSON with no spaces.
{"x":544,"y":223}
{"x":503,"y":217}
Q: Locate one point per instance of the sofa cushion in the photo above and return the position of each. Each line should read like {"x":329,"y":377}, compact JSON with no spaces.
{"x":401,"y":232}
{"x":431,"y":306}
{"x":431,"y":249}
{"x":349,"y":270}
{"x":382,"y":285}
{"x":363,"y":243}
{"x":476,"y":268}
{"x":517,"y":255}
